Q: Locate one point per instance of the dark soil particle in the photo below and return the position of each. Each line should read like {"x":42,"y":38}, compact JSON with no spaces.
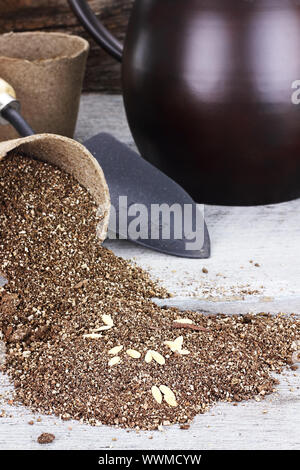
{"x":46,"y":438}
{"x":64,"y":287}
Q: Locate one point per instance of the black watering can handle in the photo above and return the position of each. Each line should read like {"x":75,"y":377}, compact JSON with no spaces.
{"x":96,"y":29}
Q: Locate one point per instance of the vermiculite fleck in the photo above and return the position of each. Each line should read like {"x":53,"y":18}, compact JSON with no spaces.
{"x":83,"y":338}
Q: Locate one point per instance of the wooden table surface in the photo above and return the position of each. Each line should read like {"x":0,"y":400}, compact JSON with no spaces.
{"x":268,"y":236}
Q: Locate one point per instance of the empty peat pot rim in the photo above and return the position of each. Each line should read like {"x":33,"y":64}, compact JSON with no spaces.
{"x":39,"y":47}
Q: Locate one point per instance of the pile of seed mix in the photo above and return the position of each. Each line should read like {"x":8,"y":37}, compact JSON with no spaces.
{"x":83,"y":338}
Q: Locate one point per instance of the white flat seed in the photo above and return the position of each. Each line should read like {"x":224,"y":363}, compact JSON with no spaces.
{"x":156,"y":394}
{"x":133,"y":353}
{"x":169,"y":396}
{"x":184,"y":320}
{"x":114,"y":360}
{"x":178,"y":342}
{"x":170,"y":400}
{"x":92,"y":336}
{"x":102,"y":328}
{"x":148,"y":357}
{"x":107,"y":319}
{"x":171,"y":345}
{"x":158,"y":357}
{"x":164,"y":389}
{"x":184,"y":352}
{"x":175,"y":345}
{"x":115,"y":350}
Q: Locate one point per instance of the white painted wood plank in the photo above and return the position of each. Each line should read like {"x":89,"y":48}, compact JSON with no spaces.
{"x":284,"y":305}
{"x":268,"y":235}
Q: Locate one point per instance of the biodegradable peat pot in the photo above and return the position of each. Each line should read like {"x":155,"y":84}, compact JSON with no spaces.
{"x":72,"y":157}
{"x":46,"y":70}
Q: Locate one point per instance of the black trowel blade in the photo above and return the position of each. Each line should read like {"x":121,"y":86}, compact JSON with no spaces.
{"x":134,"y":181}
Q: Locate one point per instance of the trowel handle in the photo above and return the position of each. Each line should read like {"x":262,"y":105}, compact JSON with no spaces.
{"x":10,"y":110}
{"x":96,"y":29}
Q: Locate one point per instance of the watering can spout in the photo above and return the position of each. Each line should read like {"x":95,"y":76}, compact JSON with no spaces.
{"x":96,"y":29}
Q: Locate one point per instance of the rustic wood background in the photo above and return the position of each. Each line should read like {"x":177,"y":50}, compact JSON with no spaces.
{"x":103,"y":72}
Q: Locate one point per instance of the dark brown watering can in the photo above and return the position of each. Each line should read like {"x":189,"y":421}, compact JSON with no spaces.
{"x":211,"y":90}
